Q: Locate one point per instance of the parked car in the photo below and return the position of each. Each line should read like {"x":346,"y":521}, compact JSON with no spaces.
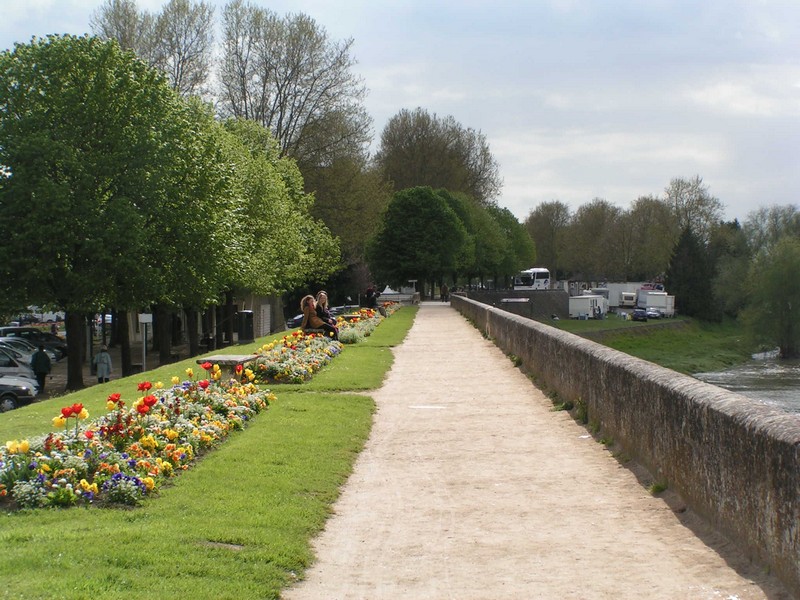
{"x":27,"y":347}
{"x":295,"y":321}
{"x":13,"y":368}
{"x":639,"y":314}
{"x":37,"y":337}
{"x":15,"y":391}
{"x":653,"y":313}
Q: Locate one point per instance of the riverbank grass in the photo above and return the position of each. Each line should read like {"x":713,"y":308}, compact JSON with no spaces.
{"x":685,"y":345}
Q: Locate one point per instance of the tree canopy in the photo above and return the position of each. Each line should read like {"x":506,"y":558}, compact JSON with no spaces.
{"x":420,"y":238}
{"x":286,"y":74}
{"x":773,"y":312}
{"x":143,"y":198}
{"x":420,"y":149}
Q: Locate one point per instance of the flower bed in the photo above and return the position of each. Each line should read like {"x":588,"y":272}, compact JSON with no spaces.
{"x":129,"y":452}
{"x":294,"y":358}
{"x":354,"y":327}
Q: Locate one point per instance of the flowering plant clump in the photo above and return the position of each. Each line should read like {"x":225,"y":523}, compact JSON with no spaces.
{"x":125,"y":455}
{"x":354,"y":327}
{"x":294,"y":358}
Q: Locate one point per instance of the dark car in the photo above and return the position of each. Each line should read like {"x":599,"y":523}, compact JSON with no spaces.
{"x":639,"y":314}
{"x":295,"y":321}
{"x":37,"y":337}
{"x":15,"y":391}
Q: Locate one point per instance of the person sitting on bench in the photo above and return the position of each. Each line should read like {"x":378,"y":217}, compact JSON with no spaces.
{"x":312,"y":321}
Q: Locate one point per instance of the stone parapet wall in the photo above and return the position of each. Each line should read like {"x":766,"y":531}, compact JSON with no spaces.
{"x":734,"y":462}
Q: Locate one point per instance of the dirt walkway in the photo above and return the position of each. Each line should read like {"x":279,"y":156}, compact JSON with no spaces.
{"x":470,"y":487}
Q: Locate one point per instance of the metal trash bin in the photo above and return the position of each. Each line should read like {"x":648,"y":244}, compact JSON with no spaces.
{"x":246,"y":326}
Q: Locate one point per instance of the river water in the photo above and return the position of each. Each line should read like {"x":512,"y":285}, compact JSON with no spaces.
{"x":766,"y":379}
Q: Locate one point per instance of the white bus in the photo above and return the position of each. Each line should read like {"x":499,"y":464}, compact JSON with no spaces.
{"x":537,"y":278}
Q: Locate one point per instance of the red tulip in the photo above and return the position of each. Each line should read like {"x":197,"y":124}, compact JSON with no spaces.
{"x":77,"y":408}
{"x":89,"y":434}
{"x":66,"y":412}
{"x":144,"y":386}
{"x":114,"y":397}
{"x":150,"y":400}
{"x":239,"y":369}
{"x":203,"y":384}
{"x":207,"y":365}
{"x":142,"y":409}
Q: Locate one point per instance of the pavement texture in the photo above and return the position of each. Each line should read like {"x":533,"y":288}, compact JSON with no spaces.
{"x":472,"y":487}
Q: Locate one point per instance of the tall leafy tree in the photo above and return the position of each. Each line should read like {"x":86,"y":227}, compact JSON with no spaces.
{"x":288,"y":75}
{"x":765,"y":226}
{"x":178,"y":40}
{"x":283,"y":245}
{"x":87,"y":138}
{"x":689,"y":278}
{"x":520,"y":250}
{"x":420,"y":238}
{"x":694,"y":207}
{"x":731,"y":257}
{"x":121,"y":20}
{"x":420,"y":149}
{"x":547,"y":225}
{"x":350,"y":199}
{"x":773,"y":312}
{"x":653,"y":233}
{"x":593,"y":238}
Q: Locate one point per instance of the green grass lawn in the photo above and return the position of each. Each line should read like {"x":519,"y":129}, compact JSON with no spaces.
{"x":238,"y":524}
{"x":682,"y":344}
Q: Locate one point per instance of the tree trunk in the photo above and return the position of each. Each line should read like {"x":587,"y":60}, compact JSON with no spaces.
{"x":230,"y":315}
{"x":164,"y":326}
{"x":219,"y":325}
{"x":124,"y":339}
{"x":75,"y":329}
{"x":191,"y":331}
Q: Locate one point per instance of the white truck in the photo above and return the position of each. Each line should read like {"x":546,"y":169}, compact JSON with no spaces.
{"x":620,"y":295}
{"x":588,"y":306}
{"x":661,"y":301}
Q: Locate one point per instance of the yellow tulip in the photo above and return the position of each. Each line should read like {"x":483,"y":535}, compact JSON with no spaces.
{"x":176,"y":380}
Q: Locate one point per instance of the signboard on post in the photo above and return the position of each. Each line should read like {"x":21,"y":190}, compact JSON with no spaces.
{"x":144,"y":319}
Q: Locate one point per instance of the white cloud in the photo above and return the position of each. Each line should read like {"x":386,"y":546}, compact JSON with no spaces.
{"x":757,"y":92}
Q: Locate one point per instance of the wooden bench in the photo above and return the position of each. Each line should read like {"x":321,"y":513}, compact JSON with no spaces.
{"x":231,"y":361}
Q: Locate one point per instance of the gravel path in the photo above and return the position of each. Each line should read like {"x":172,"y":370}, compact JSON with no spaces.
{"x":470,"y":486}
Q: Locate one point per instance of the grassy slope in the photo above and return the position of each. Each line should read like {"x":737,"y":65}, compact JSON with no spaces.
{"x":692,"y":347}
{"x":237,"y":525}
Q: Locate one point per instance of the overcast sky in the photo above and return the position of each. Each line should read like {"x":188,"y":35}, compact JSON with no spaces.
{"x":578,"y":99}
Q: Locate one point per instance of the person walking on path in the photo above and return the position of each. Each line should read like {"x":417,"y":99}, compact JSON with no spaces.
{"x":471,"y":486}
{"x":102,"y":364}
{"x":41,"y":366}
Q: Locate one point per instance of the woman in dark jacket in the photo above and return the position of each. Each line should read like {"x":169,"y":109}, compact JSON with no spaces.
{"x":322,"y":309}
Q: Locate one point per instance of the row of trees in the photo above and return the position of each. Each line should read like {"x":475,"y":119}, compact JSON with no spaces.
{"x":438,"y":236}
{"x":713,"y":267}
{"x":600,"y":240}
{"x":115,"y":192}
{"x":286,"y":74}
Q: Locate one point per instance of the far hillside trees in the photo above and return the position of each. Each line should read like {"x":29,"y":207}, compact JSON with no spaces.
{"x":773,"y":312}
